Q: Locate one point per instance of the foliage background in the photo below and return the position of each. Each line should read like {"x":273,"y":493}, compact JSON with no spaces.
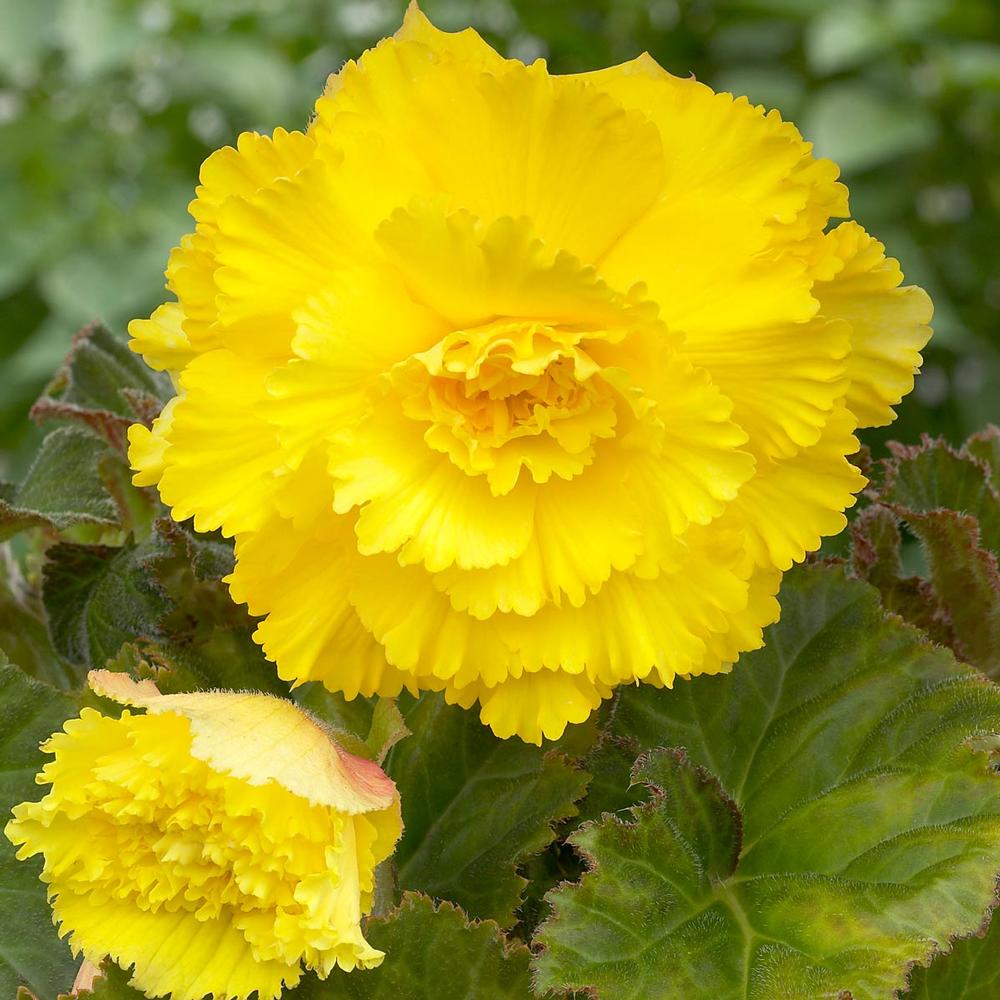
{"x":107,"y":107}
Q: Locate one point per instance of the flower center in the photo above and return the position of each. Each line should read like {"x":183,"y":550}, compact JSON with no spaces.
{"x":510,"y":395}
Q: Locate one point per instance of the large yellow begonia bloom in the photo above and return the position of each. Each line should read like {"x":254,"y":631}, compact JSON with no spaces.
{"x":520,"y":386}
{"x":217,"y":842}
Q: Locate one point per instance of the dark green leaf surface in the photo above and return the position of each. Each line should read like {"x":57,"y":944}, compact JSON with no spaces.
{"x":103,"y":386}
{"x":474,"y":807}
{"x":24,"y":633}
{"x":432,"y":953}
{"x":934,"y":476}
{"x":64,"y":487}
{"x":948,"y":500}
{"x":99,"y":598}
{"x":971,"y":971}
{"x":610,"y":788}
{"x":30,"y":951}
{"x":877,"y":558}
{"x":870,"y":819}
{"x":984,"y":446}
{"x":967,"y":584}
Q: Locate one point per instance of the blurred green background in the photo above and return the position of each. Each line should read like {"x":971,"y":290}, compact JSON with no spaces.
{"x":107,"y":107}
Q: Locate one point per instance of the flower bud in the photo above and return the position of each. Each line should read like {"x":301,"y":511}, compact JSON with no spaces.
{"x":215,"y":842}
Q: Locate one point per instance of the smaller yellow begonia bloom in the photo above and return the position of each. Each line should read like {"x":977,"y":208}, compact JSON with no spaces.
{"x":217,"y":842}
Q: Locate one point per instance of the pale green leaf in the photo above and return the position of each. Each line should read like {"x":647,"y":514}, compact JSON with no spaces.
{"x":853,"y":750}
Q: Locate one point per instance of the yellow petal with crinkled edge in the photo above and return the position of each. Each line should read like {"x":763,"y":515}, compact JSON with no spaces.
{"x":509,"y":143}
{"x":346,"y":337}
{"x":220,"y":460}
{"x":260,"y":738}
{"x":535,"y":705}
{"x":555,"y":566}
{"x":415,"y":501}
{"x":465,"y":46}
{"x":738,"y":185}
{"x":173,"y":953}
{"x":191,"y":277}
{"x":783,"y":381}
{"x":276,"y":249}
{"x":696,"y":458}
{"x":889,"y":324}
{"x":148,"y":446}
{"x":469,"y":272}
{"x":789,"y":506}
{"x":629,"y":628}
{"x":256,"y":162}
{"x":217,"y":844}
{"x":161,"y":339}
{"x":746,"y":627}
{"x":497,"y":374}
{"x":300,"y":578}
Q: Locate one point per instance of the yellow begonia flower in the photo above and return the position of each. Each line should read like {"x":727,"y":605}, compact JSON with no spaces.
{"x":520,"y":386}
{"x":217,"y":843}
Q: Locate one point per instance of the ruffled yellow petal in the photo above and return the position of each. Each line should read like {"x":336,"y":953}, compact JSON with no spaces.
{"x":161,"y":339}
{"x":221,"y":457}
{"x":415,"y":501}
{"x":148,"y":446}
{"x":255,"y":163}
{"x":171,"y":953}
{"x":215,"y":845}
{"x":299,"y":577}
{"x":535,"y":705}
{"x":191,"y":277}
{"x":889,"y":324}
{"x":509,"y":143}
{"x":275,"y":250}
{"x":783,"y":381}
{"x":789,"y":506}
{"x":462,"y":46}
{"x":470,"y":272}
{"x":259,"y":738}
{"x":346,"y":338}
{"x":695,"y":461}
{"x":738,"y":186}
{"x":555,"y":566}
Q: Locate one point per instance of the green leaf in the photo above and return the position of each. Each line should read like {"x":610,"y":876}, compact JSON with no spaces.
{"x":24,"y":633}
{"x":31,"y":952}
{"x":971,"y":971}
{"x":948,"y":500}
{"x":967,"y":584}
{"x":387,"y":729}
{"x":852,"y":748}
{"x":99,"y":598}
{"x":432,"y":953}
{"x":103,"y":386}
{"x":474,"y":807}
{"x":610,"y":788}
{"x":647,"y":914}
{"x":984,"y":446}
{"x":934,"y":476}
{"x":876,"y":554}
{"x":65,"y":487}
